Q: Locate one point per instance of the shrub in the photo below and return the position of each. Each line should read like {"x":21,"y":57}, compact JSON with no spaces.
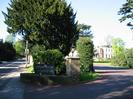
{"x":30,"y":69}
{"x":7,"y":52}
{"x":129,"y":57}
{"x":119,"y":60}
{"x":54,"y":57}
{"x":85,"y":49}
{"x":48,"y":57}
{"x":37,"y":52}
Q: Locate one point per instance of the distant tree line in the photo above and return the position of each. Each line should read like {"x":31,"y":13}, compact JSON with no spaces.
{"x":121,"y":55}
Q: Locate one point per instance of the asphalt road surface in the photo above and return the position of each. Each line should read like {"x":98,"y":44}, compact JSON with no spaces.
{"x":10,"y":85}
{"x":117,"y":83}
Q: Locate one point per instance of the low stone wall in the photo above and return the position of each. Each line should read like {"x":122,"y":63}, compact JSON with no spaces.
{"x":32,"y":78}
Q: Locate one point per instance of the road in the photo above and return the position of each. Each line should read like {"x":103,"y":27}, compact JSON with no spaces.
{"x":10,"y":86}
{"x":117,"y":83}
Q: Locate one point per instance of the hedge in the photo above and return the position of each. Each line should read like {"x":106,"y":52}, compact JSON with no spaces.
{"x":85,"y":49}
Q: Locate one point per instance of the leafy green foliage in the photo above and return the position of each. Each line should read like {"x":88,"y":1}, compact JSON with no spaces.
{"x":48,"y":57}
{"x":54,"y":57}
{"x":129,"y":57}
{"x":127,"y":12}
{"x":30,"y":69}
{"x":7,"y":52}
{"x":118,"y":58}
{"x":19,"y":47}
{"x":37,"y":53}
{"x":121,"y":56}
{"x":46,"y":22}
{"x":118,"y":46}
{"x":88,"y":76}
{"x":85,"y":48}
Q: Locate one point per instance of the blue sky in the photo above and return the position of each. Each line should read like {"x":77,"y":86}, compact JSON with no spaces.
{"x":100,"y":14}
{"x":3,"y":5}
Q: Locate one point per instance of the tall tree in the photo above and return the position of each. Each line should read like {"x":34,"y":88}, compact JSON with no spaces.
{"x":118,"y":46}
{"x":127,"y":12}
{"x":48,"y":22}
{"x":118,"y":58}
{"x":84,"y":30}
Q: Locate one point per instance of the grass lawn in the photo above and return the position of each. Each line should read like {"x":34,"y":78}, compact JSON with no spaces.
{"x":30,"y":69}
{"x":88,"y":76}
{"x":102,"y":64}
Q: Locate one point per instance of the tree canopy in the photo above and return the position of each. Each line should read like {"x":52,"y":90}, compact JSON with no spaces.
{"x":127,"y":12}
{"x":118,"y":46}
{"x":45,"y":22}
{"x":84,"y":30}
{"x":20,"y":47}
{"x":118,"y":58}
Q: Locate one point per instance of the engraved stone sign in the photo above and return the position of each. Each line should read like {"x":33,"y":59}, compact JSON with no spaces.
{"x":44,"y":69}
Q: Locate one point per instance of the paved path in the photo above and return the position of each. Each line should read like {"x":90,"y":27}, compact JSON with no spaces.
{"x":117,"y":83}
{"x":10,"y":85}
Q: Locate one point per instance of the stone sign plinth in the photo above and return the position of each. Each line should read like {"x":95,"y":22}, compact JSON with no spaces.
{"x":72,"y":66}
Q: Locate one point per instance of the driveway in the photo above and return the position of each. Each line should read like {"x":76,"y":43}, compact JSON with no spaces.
{"x":10,"y":85}
{"x":116,"y":83}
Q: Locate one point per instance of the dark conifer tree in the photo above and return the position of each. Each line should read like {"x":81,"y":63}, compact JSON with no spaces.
{"x":127,"y":13}
{"x":48,"y":22}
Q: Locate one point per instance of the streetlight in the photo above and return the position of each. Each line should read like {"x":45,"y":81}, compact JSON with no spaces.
{"x":26,"y":52}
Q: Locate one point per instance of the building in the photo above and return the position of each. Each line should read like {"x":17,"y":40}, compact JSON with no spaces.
{"x":103,"y":52}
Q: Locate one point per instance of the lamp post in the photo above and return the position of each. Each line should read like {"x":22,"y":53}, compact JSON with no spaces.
{"x":26,"y":52}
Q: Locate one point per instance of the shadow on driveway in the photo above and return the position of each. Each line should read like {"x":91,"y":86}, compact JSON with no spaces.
{"x":116,"y":86}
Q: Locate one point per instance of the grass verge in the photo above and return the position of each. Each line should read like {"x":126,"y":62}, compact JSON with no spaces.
{"x":87,"y":76}
{"x":30,"y":69}
{"x":102,"y":64}
{"x":33,"y":78}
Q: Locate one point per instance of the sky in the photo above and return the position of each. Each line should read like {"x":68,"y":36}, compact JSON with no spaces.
{"x":102,"y":15}
{"x":3,"y":27}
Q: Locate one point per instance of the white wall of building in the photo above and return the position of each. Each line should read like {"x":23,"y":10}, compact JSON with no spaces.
{"x":104,"y":52}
